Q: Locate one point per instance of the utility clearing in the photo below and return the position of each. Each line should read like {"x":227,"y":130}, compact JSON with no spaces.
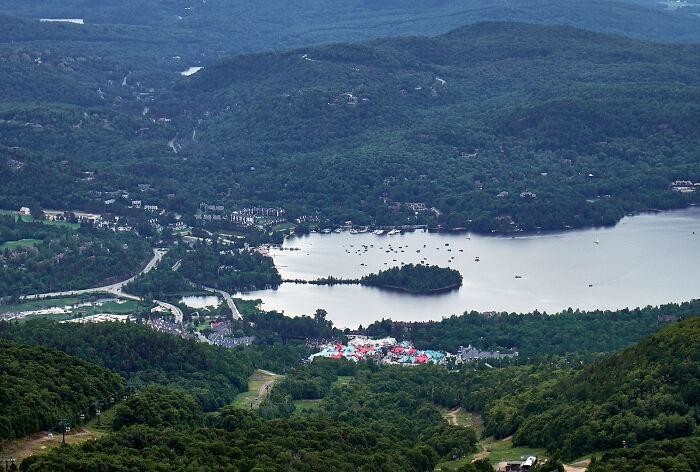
{"x":21,"y":449}
{"x":259,"y":385}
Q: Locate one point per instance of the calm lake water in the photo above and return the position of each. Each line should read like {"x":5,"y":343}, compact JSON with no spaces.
{"x":200,"y":301}
{"x":646,"y":259}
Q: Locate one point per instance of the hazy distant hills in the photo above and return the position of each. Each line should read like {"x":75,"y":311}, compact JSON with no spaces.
{"x":498,"y":125}
{"x":203,"y":31}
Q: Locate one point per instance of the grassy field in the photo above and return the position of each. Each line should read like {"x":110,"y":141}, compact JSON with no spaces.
{"x":257,"y":390}
{"x":495,"y":451}
{"x":12,"y":245}
{"x":309,"y":406}
{"x":29,"y":219}
{"x":500,"y":451}
{"x":247,"y":307}
{"x":39,"y":304}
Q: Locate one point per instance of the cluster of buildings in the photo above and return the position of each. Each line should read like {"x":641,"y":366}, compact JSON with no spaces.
{"x":470,"y":354}
{"x":518,"y":466}
{"x":222,"y":335}
{"x":388,"y":351}
{"x":166,"y":326}
{"x":244,"y":217}
{"x":383,"y":351}
{"x":685,"y":186}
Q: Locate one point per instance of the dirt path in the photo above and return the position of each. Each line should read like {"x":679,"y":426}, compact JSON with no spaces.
{"x":259,"y":386}
{"x":451,"y":416}
{"x":580,"y":466}
{"x":40,"y":442}
{"x":264,"y":389}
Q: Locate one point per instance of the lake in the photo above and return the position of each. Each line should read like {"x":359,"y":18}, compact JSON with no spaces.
{"x":650,"y":258}
{"x":201,"y":301}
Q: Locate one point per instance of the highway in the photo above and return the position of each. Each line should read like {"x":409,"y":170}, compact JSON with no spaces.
{"x":229,"y":301}
{"x":115,"y":289}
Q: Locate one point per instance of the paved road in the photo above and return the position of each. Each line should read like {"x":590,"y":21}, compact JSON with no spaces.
{"x":117,"y":289}
{"x":229,"y":301}
{"x":113,"y":289}
{"x":177,"y":313}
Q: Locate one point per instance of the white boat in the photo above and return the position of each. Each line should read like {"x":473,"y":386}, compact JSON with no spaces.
{"x":393,"y":232}
{"x":326,"y":231}
{"x":469,"y":235}
{"x":338,"y":230}
{"x":379,"y":232}
{"x":597,"y":241}
{"x":353,"y":231}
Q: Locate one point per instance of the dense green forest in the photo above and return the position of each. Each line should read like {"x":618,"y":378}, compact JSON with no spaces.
{"x":370,"y":426}
{"x":162,"y":281}
{"x":647,"y":392}
{"x":497,"y":126}
{"x":671,"y":455}
{"x":230,"y":270}
{"x":213,"y":376}
{"x":415,"y":278}
{"x":39,"y":387}
{"x":539,"y":334}
{"x":384,"y":418}
{"x":36,"y":257}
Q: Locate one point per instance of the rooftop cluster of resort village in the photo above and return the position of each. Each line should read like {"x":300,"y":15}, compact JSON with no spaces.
{"x":685,"y":186}
{"x":388,"y":351}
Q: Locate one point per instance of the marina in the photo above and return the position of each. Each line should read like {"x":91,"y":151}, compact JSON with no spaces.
{"x":650,"y":258}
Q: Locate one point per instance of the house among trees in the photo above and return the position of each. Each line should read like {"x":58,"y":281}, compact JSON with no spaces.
{"x":528,"y":195}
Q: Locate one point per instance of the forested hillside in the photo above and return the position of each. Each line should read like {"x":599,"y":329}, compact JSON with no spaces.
{"x":371,"y":424}
{"x":39,"y":257}
{"x":537,"y":334}
{"x":647,"y":392}
{"x":39,"y":387}
{"x":212,"y":375}
{"x":496,"y":126}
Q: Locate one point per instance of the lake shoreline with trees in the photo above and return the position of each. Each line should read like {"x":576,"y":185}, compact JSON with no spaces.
{"x":413,"y":279}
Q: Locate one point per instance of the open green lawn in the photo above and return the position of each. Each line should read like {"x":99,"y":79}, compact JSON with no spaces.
{"x":39,"y":304}
{"x":495,"y":450}
{"x":503,"y":450}
{"x":247,"y":307}
{"x":256,"y":390}
{"x":12,"y":245}
{"x":29,"y":219}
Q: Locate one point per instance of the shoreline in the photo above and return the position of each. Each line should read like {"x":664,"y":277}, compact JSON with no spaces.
{"x":393,"y":288}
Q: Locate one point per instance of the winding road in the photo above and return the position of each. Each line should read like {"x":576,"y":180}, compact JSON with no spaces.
{"x":229,"y":301}
{"x":117,"y":289}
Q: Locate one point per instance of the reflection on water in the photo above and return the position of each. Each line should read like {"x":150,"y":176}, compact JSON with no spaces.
{"x":646,"y":259}
{"x":200,"y":301}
